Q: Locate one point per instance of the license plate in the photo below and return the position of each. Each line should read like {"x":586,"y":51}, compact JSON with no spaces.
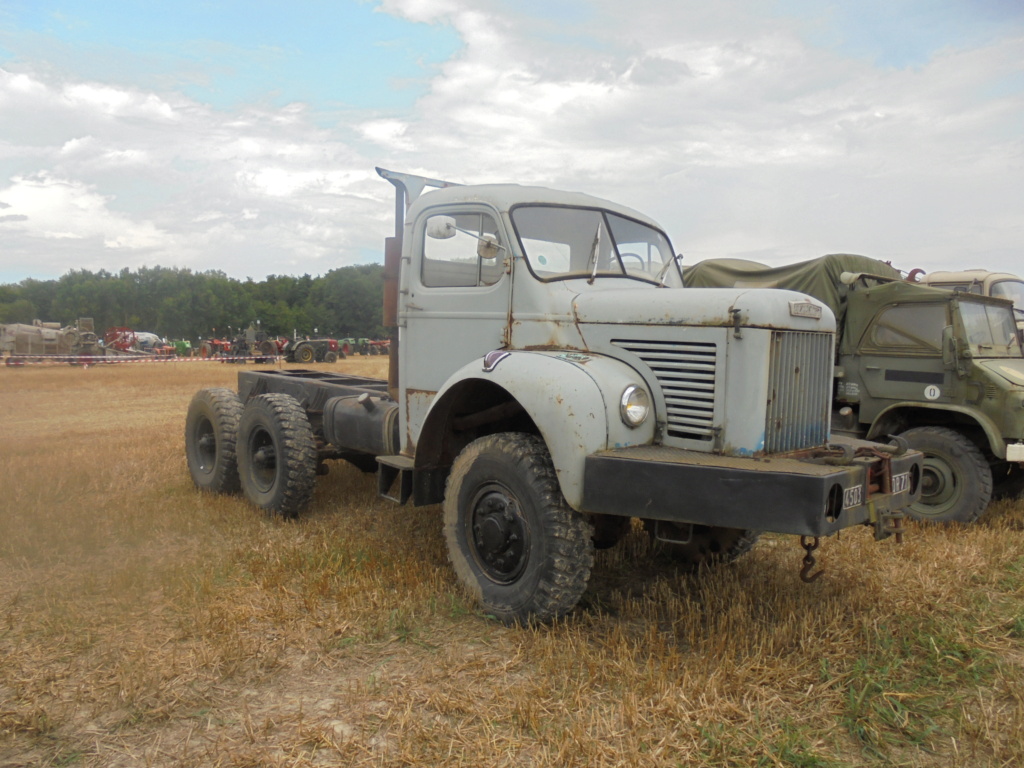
{"x":853,"y":497}
{"x":901,"y":482}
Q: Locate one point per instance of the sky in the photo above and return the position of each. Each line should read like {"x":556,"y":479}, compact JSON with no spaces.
{"x":242,"y":137}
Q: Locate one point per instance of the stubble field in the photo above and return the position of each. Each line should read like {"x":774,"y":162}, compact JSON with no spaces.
{"x":145,"y":624}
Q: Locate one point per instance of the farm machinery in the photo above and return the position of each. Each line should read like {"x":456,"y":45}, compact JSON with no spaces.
{"x":22,"y":343}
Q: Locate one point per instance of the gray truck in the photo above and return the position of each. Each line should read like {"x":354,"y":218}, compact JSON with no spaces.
{"x":1002,"y":285}
{"x":942,"y":369}
{"x":550,"y":379}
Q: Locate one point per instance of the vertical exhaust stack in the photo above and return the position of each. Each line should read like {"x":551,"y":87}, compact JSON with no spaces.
{"x":392,"y":271}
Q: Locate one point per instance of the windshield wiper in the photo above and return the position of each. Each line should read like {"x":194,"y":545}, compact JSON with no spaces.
{"x":663,"y":272}
{"x":594,"y":250}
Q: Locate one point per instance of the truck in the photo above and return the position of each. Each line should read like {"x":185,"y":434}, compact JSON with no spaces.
{"x":579,"y":386}
{"x":941,"y":369}
{"x":1000,"y":284}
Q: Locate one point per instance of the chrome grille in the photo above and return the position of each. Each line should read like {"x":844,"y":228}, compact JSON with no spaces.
{"x":686,"y":374}
{"x":799,"y":391}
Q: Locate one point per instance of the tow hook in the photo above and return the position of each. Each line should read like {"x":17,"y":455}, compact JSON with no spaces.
{"x":809,"y":544}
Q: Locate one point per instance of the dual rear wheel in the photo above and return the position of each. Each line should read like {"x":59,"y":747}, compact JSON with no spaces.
{"x":266,"y":449}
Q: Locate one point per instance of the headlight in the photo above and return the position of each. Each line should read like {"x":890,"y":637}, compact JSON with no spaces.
{"x":634,"y":405}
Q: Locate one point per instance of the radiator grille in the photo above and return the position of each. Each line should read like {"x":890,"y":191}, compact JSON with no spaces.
{"x":799,"y":390}
{"x":686,"y":374}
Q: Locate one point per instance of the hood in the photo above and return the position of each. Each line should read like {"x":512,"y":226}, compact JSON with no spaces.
{"x":758,"y":308}
{"x":1010,"y":369}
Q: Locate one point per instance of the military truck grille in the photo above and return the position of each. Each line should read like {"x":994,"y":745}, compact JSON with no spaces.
{"x":799,"y":390}
{"x":686,"y":374}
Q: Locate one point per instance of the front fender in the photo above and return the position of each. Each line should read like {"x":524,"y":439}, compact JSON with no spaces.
{"x":995,"y":440}
{"x":572,"y":398}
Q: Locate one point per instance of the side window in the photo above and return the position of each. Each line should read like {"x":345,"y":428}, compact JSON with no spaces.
{"x":451,"y":251}
{"x":911,"y":327}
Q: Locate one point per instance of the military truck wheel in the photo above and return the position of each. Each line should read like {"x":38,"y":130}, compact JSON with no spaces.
{"x":513,"y":540}
{"x":696,"y":546}
{"x":277,"y":457}
{"x":956,"y":481}
{"x":211,"y":428}
{"x":304,"y":353}
{"x":330,"y":357}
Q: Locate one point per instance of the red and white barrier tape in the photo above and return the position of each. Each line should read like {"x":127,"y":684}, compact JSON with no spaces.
{"x":86,"y":360}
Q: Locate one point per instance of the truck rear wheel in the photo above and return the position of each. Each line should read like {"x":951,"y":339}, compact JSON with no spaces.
{"x":956,"y":481}
{"x":696,"y":546}
{"x":277,"y":457}
{"x":513,"y":540}
{"x":211,"y":428}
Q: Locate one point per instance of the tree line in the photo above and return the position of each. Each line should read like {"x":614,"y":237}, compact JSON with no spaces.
{"x":182,"y":304}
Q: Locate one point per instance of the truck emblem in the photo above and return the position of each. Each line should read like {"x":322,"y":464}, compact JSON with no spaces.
{"x":805,"y":309}
{"x":492,"y":358}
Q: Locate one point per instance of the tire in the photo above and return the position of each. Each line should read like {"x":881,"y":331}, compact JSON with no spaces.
{"x":304,"y":353}
{"x":522,"y":552}
{"x":700,"y":546}
{"x":330,"y":357}
{"x":277,"y":457}
{"x":205,"y":350}
{"x":211,"y":429}
{"x":956,"y":480}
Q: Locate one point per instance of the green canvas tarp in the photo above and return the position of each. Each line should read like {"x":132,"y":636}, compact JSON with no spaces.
{"x":819,"y":277}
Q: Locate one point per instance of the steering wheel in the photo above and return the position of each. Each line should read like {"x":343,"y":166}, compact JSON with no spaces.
{"x":639,"y":260}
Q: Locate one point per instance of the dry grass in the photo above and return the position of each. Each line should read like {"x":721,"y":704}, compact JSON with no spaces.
{"x":145,"y":624}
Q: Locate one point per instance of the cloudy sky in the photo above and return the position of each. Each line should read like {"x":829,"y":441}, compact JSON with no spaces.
{"x":242,"y":136}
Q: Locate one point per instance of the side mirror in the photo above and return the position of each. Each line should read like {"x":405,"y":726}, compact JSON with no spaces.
{"x":441,"y":227}
{"x":487,"y":247}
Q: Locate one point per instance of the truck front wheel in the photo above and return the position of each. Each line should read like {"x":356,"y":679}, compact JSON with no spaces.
{"x":211,"y":428}
{"x":277,"y":457}
{"x":513,"y":540}
{"x":956,"y":481}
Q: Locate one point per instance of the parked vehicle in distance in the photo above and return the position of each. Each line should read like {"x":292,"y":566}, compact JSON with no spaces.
{"x":1002,"y":285}
{"x":550,"y":379}
{"x":942,"y":369}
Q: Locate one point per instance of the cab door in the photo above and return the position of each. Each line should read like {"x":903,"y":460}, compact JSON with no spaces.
{"x":454,"y":304}
{"x":900,"y":358}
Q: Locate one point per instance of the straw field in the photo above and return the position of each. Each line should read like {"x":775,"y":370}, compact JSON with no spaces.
{"x":145,"y":624}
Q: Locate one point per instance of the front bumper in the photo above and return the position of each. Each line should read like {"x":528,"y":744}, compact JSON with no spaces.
{"x":802,"y":496}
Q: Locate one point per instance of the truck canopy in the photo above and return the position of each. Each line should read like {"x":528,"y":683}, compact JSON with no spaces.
{"x":818,"y":277}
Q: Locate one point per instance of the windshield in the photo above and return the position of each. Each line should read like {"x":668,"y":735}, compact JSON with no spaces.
{"x":1010,"y":289}
{"x":583,"y":242}
{"x":990,"y":330}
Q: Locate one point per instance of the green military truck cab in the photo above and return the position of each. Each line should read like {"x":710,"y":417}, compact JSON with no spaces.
{"x":942,"y":369}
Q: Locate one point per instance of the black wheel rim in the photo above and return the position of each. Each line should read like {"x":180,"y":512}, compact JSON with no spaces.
{"x":206,"y":446}
{"x":262,"y":460}
{"x":498,"y":535}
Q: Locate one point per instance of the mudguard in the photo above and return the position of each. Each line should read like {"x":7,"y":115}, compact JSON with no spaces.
{"x":573,"y":398}
{"x":995,"y":440}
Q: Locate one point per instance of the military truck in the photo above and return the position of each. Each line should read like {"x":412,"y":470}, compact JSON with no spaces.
{"x":1000,"y":284}
{"x":941,"y":369}
{"x":578,"y":386}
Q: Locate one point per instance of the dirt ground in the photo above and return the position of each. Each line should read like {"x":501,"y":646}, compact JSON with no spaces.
{"x":143,"y":623}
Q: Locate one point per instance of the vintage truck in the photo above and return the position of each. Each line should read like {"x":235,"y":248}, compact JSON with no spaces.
{"x":944,"y":370}
{"x":1002,"y":285}
{"x":549,"y":380}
